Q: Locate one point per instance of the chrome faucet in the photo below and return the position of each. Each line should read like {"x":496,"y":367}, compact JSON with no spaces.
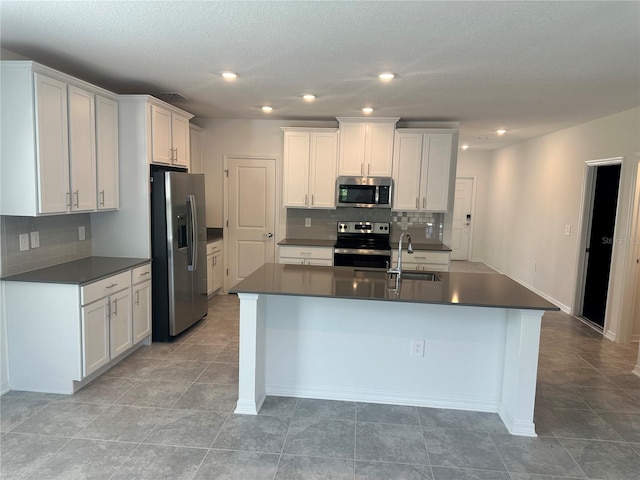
{"x":398,"y":270}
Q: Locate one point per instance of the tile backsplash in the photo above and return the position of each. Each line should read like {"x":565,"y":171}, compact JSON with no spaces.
{"x":59,"y":241}
{"x":425,"y":227}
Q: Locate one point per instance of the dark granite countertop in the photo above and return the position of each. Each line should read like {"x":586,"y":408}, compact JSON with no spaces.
{"x":78,"y":272}
{"x":306,"y":242}
{"x":469,"y":289}
{"x":214,"y":234}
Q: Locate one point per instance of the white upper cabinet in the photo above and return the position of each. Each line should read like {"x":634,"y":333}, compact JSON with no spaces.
{"x":107,"y":153}
{"x":424,"y":166}
{"x":169,"y":137}
{"x":82,"y":149}
{"x":195,"y":148}
{"x":309,"y":170}
{"x":366,"y":147}
{"x":49,"y":141}
{"x":52,"y":144}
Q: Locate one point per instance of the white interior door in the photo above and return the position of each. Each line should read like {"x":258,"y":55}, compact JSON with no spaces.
{"x":250,"y":196}
{"x":461,"y":230}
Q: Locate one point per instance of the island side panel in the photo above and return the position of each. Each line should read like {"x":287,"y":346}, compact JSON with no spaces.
{"x":359,"y":350}
{"x":251,"y":382}
{"x":521,"y":370}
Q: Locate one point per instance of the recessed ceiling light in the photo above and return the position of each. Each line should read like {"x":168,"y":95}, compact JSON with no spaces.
{"x":309,"y":97}
{"x":465,"y":146}
{"x":229,"y":75}
{"x":502,"y":131}
{"x":386,"y":76}
{"x":367,"y":110}
{"x":267,"y":109}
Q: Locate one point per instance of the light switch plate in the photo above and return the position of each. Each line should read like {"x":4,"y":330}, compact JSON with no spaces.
{"x":81,"y":233}
{"x":35,"y":239}
{"x":567,"y":229}
{"x":24,"y":242}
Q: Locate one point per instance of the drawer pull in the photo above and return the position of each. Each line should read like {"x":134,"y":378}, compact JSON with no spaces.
{"x":112,"y":285}
{"x":145,"y":273}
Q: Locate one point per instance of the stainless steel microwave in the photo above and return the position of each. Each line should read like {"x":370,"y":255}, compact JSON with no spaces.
{"x":364,"y":192}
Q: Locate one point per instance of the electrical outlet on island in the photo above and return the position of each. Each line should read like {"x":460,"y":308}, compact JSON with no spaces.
{"x":81,"y":233}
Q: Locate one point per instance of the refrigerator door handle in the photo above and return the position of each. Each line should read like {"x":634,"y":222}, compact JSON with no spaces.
{"x":193,"y":240}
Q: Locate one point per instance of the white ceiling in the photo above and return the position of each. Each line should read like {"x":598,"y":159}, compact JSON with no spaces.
{"x":529,"y":67}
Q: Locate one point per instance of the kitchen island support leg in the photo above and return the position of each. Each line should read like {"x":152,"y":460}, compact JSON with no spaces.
{"x":251,"y":383}
{"x":520,"y":371}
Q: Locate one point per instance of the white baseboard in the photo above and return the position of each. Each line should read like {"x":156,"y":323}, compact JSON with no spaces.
{"x":564,"y":308}
{"x":4,"y":388}
{"x":391,"y":398}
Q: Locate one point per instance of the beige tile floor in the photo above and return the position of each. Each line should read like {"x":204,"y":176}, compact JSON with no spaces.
{"x":166,"y":413}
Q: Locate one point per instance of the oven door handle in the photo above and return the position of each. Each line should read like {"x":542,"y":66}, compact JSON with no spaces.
{"x":360,"y":251}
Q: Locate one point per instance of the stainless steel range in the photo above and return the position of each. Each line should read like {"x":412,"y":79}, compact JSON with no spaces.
{"x":362,"y":244}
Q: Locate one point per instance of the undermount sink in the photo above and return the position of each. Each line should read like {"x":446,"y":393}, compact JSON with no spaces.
{"x":406,"y":275}
{"x":425,"y":276}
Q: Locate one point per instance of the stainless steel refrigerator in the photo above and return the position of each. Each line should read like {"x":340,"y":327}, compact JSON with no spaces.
{"x":179,"y":238}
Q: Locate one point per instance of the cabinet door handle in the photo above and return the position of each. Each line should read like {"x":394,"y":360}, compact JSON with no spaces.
{"x":68,"y":195}
{"x":417,"y":204}
{"x":368,"y":169}
{"x":306,"y":199}
{"x":361,"y":169}
{"x":312,"y":200}
{"x":102,"y":198}
{"x":108,"y":309}
{"x":137,"y":297}
{"x":424,"y":203}
{"x":115,"y":307}
{"x":77,"y":195}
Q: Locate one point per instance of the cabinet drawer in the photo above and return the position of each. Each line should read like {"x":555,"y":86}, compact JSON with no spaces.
{"x":324,"y":253}
{"x":214,"y":247}
{"x":102,"y":288}
{"x":422,"y":257}
{"x":141,"y":273}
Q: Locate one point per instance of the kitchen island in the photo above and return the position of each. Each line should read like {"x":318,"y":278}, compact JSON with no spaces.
{"x":467,"y":341}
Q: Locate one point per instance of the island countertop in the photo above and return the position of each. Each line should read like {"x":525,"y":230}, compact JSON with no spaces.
{"x":454,"y":288}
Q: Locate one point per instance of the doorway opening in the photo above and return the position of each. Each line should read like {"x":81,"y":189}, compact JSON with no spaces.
{"x":603,"y":181}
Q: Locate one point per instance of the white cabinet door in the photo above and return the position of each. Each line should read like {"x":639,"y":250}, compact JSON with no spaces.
{"x":216,"y":282}
{"x":195,"y":149}
{"x":322,"y":169}
{"x":296,"y":169}
{"x":107,"y":153}
{"x":141,"y":311}
{"x":210,"y":268}
{"x":161,"y":149}
{"x":180,"y":140}
{"x":52,"y":145}
{"x":379,"y":149}
{"x":95,"y":336}
{"x":120,"y":325}
{"x":82,"y":149}
{"x":352,"y":149}
{"x":438,"y":177}
{"x":407,"y":161}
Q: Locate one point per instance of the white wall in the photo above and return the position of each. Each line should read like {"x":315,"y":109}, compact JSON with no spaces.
{"x":262,"y":138}
{"x":536,"y":189}
{"x":477,"y":164}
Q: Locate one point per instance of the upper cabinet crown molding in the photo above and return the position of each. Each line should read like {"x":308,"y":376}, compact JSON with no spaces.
{"x":366,"y":146}
{"x":48,"y":153}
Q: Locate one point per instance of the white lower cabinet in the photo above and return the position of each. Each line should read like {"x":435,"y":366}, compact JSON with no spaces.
{"x":106,"y":322}
{"x":95,"y":336}
{"x":62,"y":335}
{"x":423,"y":260}
{"x":214,"y":267}
{"x":141,"y":302}
{"x":297,"y":255}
